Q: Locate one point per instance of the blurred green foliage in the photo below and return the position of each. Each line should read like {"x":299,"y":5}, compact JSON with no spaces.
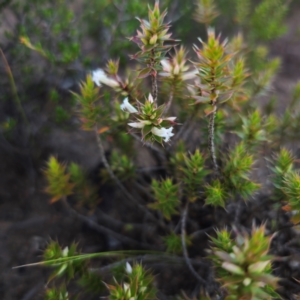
{"x":74,"y":36}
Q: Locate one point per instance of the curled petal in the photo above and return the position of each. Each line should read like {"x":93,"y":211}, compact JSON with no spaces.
{"x":126,"y":106}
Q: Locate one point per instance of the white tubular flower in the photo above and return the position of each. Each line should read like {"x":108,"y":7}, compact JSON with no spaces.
{"x":65,"y":252}
{"x":99,"y":76}
{"x":140,"y":124}
{"x":171,"y":119}
{"x":176,"y":67}
{"x":189,"y":75}
{"x":166,"y":65}
{"x":126,"y":287}
{"x":128,"y":268}
{"x":150,"y":98}
{"x":126,"y":106}
{"x":165,"y":133}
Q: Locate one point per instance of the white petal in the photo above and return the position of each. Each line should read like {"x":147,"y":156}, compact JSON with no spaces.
{"x":190,"y":75}
{"x":128,"y":268}
{"x":126,"y":106}
{"x":65,"y":251}
{"x":137,"y":125}
{"x":140,"y":124}
{"x":99,"y":77}
{"x":163,"y":132}
{"x":166,"y":65}
{"x":158,"y":131}
{"x":164,"y":74}
{"x":172,"y":119}
{"x":168,"y":134}
{"x":150,"y":98}
{"x":176,"y":70}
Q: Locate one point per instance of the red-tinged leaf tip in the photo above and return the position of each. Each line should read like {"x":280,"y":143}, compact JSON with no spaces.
{"x":286,"y":207}
{"x":54,"y":199}
{"x":103,"y":129}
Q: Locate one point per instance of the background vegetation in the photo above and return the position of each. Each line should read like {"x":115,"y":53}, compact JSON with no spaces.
{"x":65,"y":190}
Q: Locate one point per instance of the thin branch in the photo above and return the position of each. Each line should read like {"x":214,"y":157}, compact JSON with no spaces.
{"x":184,"y":249}
{"x":33,"y":291}
{"x":144,"y":190}
{"x":289,"y":226}
{"x":160,"y":219}
{"x":238,"y":212}
{"x":169,"y":103}
{"x":14,"y":89}
{"x":187,"y":133}
{"x":104,"y":230}
{"x":118,"y":225}
{"x":148,"y":145}
{"x":117,"y":181}
{"x":149,"y":169}
{"x":200,"y":232}
{"x":183,"y":130}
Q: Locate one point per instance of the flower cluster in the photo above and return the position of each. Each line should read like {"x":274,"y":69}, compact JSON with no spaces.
{"x":137,"y":284}
{"x":176,"y":68}
{"x":153,"y":32}
{"x":151,"y":39}
{"x":150,"y":120}
{"x":149,"y":116}
{"x":244,"y":265}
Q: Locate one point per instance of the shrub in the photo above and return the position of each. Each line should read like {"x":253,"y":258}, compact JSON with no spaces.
{"x":200,"y":121}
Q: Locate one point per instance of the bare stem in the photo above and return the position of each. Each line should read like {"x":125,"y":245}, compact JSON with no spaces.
{"x":154,"y":78}
{"x":211,"y":138}
{"x":105,"y":230}
{"x":169,"y":103}
{"x":117,"y":225}
{"x":184,"y":249}
{"x":149,"y":145}
{"x":238,"y":212}
{"x":201,"y":232}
